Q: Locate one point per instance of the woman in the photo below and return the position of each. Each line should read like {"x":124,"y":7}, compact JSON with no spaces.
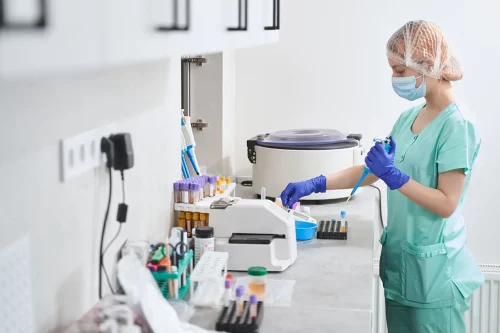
{"x":426,"y":269}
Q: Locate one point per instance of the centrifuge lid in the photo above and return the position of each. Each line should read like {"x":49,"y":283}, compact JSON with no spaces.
{"x":307,"y":139}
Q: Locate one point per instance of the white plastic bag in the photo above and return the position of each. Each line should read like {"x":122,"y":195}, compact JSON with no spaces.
{"x":138,"y":283}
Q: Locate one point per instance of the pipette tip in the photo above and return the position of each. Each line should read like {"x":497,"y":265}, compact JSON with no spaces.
{"x":348,"y":198}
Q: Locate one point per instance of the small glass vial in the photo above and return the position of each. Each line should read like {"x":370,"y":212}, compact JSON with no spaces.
{"x":184,"y":187}
{"x":228,"y":182}
{"x":181,"y":222}
{"x":196,"y":220}
{"x":257,"y":281}
{"x":189,"y":223}
{"x":278,"y":202}
{"x":203,"y":220}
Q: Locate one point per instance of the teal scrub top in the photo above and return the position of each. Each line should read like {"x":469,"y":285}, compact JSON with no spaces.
{"x":424,"y":256}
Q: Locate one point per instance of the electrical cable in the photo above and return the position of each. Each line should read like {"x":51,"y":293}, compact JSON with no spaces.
{"x":101,"y":256}
{"x":379,"y":204}
{"x":104,"y":253}
{"x":123,"y":186}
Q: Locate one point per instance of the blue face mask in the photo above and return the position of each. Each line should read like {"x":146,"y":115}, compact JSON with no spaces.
{"x":405,"y":87}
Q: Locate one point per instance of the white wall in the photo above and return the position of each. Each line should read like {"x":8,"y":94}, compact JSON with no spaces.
{"x":329,"y":70}
{"x":64,"y":220}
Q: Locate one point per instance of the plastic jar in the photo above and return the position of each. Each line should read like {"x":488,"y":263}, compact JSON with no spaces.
{"x":204,"y":241}
{"x":257,"y":278}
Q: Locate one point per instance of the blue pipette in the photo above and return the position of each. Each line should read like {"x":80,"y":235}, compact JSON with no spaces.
{"x":366,"y":171}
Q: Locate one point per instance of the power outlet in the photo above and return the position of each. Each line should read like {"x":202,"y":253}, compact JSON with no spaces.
{"x":82,"y":152}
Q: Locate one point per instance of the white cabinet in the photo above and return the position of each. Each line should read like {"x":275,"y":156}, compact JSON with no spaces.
{"x":39,"y":37}
{"x":246,"y":22}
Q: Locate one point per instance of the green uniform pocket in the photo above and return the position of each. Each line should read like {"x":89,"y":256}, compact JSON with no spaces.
{"x":383,"y":256}
{"x":426,"y":273}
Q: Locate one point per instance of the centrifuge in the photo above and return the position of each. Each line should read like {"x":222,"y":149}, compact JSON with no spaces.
{"x":299,"y":154}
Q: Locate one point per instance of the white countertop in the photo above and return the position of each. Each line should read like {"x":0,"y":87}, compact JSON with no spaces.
{"x":333,"y":289}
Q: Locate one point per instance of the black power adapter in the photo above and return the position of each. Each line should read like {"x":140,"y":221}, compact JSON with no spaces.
{"x":123,"y":160}
{"x":123,"y":151}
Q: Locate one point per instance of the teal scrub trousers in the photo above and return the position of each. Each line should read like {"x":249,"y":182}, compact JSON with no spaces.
{"x":406,"y":319}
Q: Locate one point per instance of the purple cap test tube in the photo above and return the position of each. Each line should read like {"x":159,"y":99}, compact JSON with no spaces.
{"x":253,"y":306}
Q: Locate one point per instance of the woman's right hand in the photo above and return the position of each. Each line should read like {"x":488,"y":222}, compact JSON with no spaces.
{"x":294,"y":191}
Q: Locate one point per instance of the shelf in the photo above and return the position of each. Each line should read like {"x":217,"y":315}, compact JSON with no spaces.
{"x":204,"y":205}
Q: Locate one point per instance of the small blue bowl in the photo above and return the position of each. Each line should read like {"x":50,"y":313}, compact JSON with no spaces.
{"x":305,"y":230}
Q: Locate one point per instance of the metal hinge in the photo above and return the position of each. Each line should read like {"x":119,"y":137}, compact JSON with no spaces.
{"x":199,"y":124}
{"x":198,"y":60}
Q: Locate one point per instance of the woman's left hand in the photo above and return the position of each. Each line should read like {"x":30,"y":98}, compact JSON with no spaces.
{"x":381,"y":163}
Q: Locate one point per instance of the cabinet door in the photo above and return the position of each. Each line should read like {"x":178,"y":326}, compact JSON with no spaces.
{"x":132,"y":30}
{"x":245,"y":21}
{"x":39,"y":37}
{"x":198,"y":27}
{"x":271,"y":17}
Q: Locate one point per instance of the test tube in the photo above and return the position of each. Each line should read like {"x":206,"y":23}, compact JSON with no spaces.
{"x":227,"y":286}
{"x":184,"y":187}
{"x":263,"y":193}
{"x":201,"y":185}
{"x":182,"y":220}
{"x":189,"y":223}
{"x":240,"y":291}
{"x":253,"y":306}
{"x":192,"y":193}
{"x":342,"y":220}
{"x":206,"y":187}
{"x":203,"y":220}
{"x":213,"y":182}
{"x":196,"y":220}
{"x":177,"y":192}
{"x":176,"y":283}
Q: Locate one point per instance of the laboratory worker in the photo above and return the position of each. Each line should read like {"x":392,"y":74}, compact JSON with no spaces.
{"x":427,"y":270}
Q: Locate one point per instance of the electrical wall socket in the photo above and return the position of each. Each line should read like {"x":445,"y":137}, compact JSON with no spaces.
{"x":82,"y":152}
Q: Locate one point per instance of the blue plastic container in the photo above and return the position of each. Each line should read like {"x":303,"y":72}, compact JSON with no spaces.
{"x":305,"y":230}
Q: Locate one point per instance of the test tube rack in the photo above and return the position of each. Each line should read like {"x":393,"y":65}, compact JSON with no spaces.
{"x":208,"y":277}
{"x":229,"y":320}
{"x":331,"y":230}
{"x":185,"y":267}
{"x":204,"y":205}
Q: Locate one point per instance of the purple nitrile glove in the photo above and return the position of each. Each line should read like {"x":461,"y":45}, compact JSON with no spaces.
{"x":294,"y":191}
{"x":381,"y":164}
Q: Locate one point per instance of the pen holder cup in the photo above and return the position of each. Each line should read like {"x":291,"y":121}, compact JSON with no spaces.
{"x":184,"y":268}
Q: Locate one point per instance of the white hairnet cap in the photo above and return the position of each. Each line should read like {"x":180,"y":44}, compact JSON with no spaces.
{"x":422,"y":46}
